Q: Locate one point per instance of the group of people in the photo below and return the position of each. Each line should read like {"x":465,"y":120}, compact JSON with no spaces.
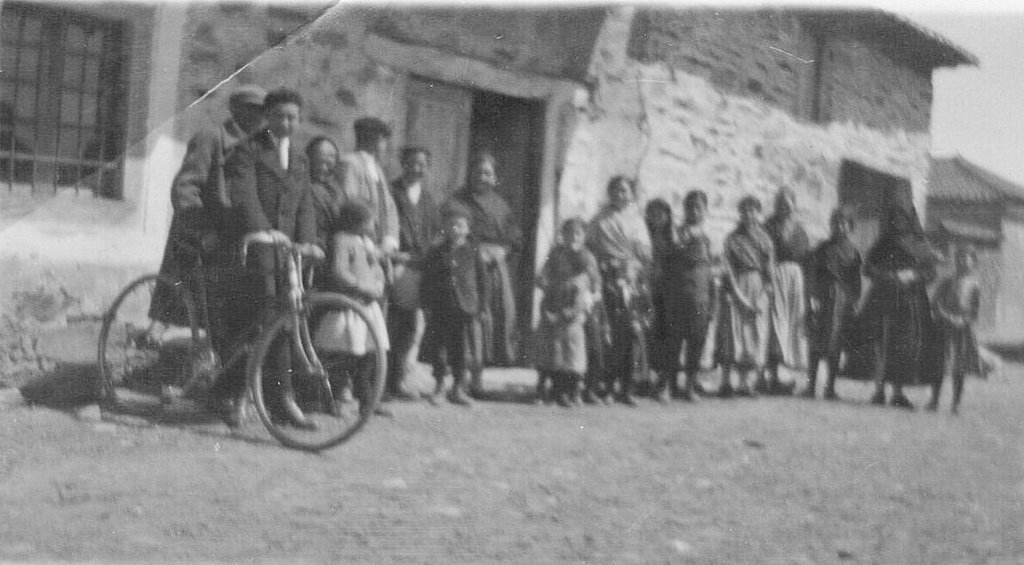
{"x":380,"y":242}
{"x":641,"y":294}
{"x":624,"y":295}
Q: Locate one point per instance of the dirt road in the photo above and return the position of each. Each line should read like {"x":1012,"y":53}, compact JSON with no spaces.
{"x":764,"y":481}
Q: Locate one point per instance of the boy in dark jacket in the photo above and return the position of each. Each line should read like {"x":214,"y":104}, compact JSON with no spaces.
{"x":453,"y":294}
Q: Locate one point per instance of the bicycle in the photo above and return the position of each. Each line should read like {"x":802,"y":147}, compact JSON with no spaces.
{"x":149,"y":360}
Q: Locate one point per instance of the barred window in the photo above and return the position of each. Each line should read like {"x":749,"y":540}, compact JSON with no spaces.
{"x":62,"y":100}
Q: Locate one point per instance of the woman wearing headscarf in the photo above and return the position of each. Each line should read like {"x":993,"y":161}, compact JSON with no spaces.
{"x":744,"y":324}
{"x":619,"y":239}
{"x":896,"y":325}
{"x":788,"y":344}
{"x":494,"y":227}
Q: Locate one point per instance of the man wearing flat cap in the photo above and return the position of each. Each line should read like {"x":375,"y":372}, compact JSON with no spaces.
{"x":363,"y":178}
{"x":202,"y":224}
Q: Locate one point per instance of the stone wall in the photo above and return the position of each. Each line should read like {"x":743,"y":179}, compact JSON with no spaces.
{"x":865,"y":85}
{"x":770,"y":56}
{"x":549,"y":42}
{"x":757,"y":54}
{"x":678,"y":131}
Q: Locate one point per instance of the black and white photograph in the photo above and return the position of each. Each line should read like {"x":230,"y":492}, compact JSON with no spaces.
{"x":480,"y":282}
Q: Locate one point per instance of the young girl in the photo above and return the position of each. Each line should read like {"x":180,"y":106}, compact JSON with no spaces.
{"x":353,"y":269}
{"x":957,"y":299}
{"x":689,"y":293}
{"x":745,"y":305}
{"x":833,"y":287}
{"x":569,"y":281}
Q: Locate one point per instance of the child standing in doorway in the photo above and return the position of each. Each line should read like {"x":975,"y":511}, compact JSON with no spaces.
{"x":956,"y":303}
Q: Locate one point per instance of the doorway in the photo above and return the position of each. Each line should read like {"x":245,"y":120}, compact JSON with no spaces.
{"x":453,"y":122}
{"x":868,"y":193}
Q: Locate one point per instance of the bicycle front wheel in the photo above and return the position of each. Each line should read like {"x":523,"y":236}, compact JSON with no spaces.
{"x":151,"y":347}
{"x":329,"y":362}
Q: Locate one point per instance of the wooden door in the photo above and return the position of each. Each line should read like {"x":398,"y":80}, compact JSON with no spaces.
{"x":438,"y":117}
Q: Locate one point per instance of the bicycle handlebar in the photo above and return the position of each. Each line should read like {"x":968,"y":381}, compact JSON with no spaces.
{"x":281,"y":241}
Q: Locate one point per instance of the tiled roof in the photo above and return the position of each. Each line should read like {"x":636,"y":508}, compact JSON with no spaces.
{"x":958,"y":180}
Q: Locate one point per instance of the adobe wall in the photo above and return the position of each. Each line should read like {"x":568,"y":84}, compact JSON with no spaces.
{"x":678,"y":131}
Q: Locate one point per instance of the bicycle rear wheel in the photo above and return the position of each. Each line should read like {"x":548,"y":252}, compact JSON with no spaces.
{"x":151,"y":348}
{"x":301,"y":354}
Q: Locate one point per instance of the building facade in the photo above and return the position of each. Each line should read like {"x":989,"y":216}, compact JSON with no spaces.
{"x":968,"y":204}
{"x":834,"y":104}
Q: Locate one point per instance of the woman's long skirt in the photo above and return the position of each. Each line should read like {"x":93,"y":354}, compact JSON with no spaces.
{"x":788,"y":316}
{"x":744,"y":335}
{"x":499,"y":330}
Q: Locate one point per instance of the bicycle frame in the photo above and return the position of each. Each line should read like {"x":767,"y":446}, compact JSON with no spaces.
{"x":295,"y":301}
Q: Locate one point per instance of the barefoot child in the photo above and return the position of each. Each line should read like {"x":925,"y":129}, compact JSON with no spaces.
{"x":353,"y":269}
{"x":956,"y":307}
{"x":569,"y":281}
{"x":833,"y":287}
{"x":453,"y":294}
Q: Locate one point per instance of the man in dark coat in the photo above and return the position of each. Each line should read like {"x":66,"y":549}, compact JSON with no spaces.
{"x":268,"y":179}
{"x":419,"y":224}
{"x":200,"y":226}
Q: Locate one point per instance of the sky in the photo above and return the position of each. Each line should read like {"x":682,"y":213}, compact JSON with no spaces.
{"x":978,"y":112}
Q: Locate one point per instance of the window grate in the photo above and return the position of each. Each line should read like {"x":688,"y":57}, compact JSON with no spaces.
{"x":62,"y":93}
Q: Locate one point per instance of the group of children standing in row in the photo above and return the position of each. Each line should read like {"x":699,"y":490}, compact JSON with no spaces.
{"x":771,"y":301}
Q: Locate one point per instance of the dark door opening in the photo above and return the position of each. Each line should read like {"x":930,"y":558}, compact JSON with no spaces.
{"x":452,"y":122}
{"x":868,"y":193}
{"x":512,"y":129}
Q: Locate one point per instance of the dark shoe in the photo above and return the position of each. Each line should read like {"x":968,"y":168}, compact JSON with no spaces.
{"x":725,"y":391}
{"x":781,"y":389}
{"x":878,"y":398}
{"x":687,"y":395}
{"x":900,"y":401}
{"x":589,"y":397}
{"x":760,"y":387}
{"x":562,"y":400}
{"x":745,"y":391}
{"x":932,"y":406}
{"x":808,"y":393}
{"x":384,"y":412}
{"x":699,"y":388}
{"x":294,"y":414}
{"x":663,"y":396}
{"x":830,"y":394}
{"x":232,"y":412}
{"x":435,"y":397}
{"x":458,"y":397}
{"x":626,"y":399}
{"x":400,"y":395}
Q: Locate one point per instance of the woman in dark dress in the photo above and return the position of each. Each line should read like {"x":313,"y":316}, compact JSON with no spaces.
{"x":495,"y":229}
{"x":833,"y":289}
{"x":896,"y":324}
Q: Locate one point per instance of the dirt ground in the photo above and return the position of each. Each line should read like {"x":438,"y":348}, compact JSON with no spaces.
{"x":774,"y":480}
